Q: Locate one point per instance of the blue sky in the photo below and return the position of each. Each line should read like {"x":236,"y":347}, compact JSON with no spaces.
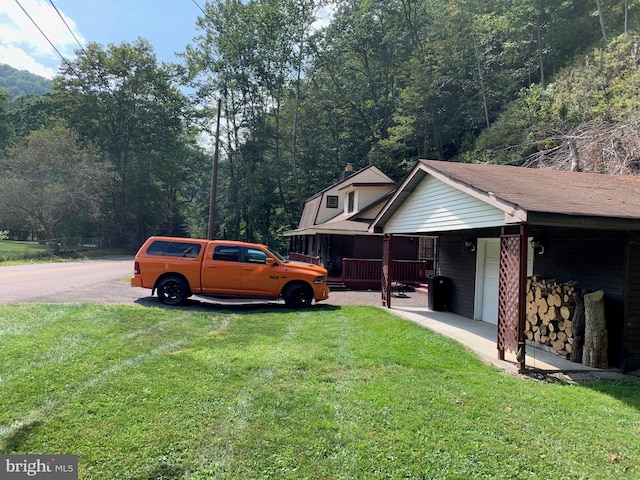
{"x":169,"y":25}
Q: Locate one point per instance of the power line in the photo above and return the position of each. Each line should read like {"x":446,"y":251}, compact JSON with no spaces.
{"x":203,"y":11}
{"x":198,"y":5}
{"x":75,"y":72}
{"x":68,"y":27}
{"x":86,"y":54}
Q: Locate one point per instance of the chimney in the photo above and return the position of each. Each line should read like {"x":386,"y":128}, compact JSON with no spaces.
{"x":348,"y":171}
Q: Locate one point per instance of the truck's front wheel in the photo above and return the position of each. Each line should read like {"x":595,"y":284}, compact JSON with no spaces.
{"x":173,"y":290}
{"x":298,"y":296}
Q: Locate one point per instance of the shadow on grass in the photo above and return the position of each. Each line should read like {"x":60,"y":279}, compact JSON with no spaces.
{"x":236,"y":306}
{"x":627,"y":392}
{"x":15,"y":440}
{"x":167,"y":472}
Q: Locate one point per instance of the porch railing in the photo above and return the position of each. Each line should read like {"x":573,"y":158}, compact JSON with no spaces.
{"x":300,"y":257}
{"x":359,"y":273}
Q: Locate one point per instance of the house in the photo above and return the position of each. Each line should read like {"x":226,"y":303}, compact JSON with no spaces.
{"x":498,"y":226}
{"x":334,"y":231}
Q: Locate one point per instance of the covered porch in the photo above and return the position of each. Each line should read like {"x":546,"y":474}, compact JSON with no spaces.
{"x":503,"y":229}
{"x":366,"y":274}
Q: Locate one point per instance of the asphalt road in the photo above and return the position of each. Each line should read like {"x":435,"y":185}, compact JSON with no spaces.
{"x":101,"y":281}
{"x":107,"y":281}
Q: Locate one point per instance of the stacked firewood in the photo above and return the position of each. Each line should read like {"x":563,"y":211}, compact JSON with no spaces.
{"x":552,"y":311}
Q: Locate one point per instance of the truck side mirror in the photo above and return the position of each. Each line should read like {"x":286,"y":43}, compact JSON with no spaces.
{"x":270,"y":261}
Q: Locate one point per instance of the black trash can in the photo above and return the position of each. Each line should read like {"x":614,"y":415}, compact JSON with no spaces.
{"x":439,"y":293}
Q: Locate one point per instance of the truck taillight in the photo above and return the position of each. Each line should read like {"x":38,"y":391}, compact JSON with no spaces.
{"x":136,"y":268}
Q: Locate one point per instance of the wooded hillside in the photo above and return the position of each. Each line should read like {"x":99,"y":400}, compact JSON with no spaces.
{"x":20,"y":82}
{"x":384,"y":82}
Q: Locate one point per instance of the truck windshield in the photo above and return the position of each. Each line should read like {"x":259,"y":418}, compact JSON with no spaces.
{"x":278,"y":256}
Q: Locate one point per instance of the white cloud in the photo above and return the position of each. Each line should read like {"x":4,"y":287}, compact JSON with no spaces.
{"x":324,"y":16}
{"x":18,"y":58}
{"x":21,"y":44}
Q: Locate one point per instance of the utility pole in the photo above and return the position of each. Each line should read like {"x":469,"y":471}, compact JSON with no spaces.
{"x":214,"y":179}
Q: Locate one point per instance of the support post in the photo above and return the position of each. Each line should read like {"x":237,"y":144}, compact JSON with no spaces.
{"x":522,"y":305}
{"x":511,"y":293}
{"x":214,"y":179}
{"x":387,"y":256}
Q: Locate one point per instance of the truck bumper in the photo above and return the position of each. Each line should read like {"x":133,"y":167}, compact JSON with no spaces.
{"x":136,"y":282}
{"x":322,"y":294}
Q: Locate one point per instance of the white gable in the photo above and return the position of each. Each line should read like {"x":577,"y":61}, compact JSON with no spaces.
{"x":324,"y":213}
{"x":435,"y":206}
{"x":365,"y":194}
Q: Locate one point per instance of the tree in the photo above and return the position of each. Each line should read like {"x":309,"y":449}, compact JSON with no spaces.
{"x":50,"y":179}
{"x":31,"y":112}
{"x":123,"y":101}
{"x":6,"y":127}
{"x":253,"y":55}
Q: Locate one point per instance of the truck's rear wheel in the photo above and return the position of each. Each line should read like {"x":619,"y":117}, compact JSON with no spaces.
{"x":298,"y":296}
{"x":173,"y":291}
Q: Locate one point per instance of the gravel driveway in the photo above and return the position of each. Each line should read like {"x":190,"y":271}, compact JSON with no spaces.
{"x":336,"y":298}
{"x":106,"y":281}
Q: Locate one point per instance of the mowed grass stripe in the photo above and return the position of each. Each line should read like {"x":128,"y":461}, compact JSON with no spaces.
{"x":323,"y":393}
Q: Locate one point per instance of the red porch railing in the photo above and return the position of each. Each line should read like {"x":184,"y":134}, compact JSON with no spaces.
{"x":359,"y":273}
{"x":299,"y":257}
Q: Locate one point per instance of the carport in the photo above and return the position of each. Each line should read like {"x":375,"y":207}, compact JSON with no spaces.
{"x":491,"y":222}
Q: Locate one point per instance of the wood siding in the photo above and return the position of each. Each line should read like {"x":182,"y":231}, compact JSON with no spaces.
{"x":457,"y":264}
{"x":365,"y":196}
{"x":435,"y":206}
{"x":368,"y":247}
{"x":631,"y":359}
{"x":368,"y":175}
{"x":596,"y":260}
{"x":324,"y":214}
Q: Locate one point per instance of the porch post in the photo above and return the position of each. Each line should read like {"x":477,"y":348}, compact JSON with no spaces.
{"x":522,"y":298}
{"x":511,"y":293}
{"x":387,"y":255}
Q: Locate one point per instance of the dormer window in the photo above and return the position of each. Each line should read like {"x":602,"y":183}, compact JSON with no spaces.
{"x":351,"y":201}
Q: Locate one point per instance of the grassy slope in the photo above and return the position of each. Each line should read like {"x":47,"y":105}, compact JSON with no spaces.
{"x":323,"y":393}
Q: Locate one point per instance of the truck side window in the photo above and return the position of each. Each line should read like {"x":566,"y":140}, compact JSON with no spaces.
{"x":179,"y":249}
{"x":226,"y":253}
{"x":174,"y":249}
{"x":253,"y":255}
{"x":158,"y":248}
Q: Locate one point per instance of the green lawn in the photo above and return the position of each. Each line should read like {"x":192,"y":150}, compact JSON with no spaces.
{"x":12,"y":250}
{"x":326,"y":393}
{"x":18,"y":253}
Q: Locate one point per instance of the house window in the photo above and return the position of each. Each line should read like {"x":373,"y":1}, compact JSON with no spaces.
{"x":351,"y":202}
{"x":332,"y":201}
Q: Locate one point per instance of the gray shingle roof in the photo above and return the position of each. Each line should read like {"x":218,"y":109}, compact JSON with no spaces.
{"x":549,"y":191}
{"x":535,"y":196}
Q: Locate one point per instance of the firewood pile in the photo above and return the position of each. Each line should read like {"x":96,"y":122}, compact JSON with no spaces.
{"x":555,"y":316}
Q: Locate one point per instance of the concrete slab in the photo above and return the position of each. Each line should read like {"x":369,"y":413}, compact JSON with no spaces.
{"x":481,"y":338}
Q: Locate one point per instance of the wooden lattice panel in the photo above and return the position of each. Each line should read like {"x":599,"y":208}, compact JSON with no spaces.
{"x":509,"y":293}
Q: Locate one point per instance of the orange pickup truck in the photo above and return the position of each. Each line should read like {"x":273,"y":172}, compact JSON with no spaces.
{"x":180,"y":267}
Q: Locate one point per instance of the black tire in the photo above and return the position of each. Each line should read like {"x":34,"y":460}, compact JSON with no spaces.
{"x":173,"y":290}
{"x":298,"y":296}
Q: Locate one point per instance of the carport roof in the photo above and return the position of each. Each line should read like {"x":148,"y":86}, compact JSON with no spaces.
{"x":534,"y":196}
